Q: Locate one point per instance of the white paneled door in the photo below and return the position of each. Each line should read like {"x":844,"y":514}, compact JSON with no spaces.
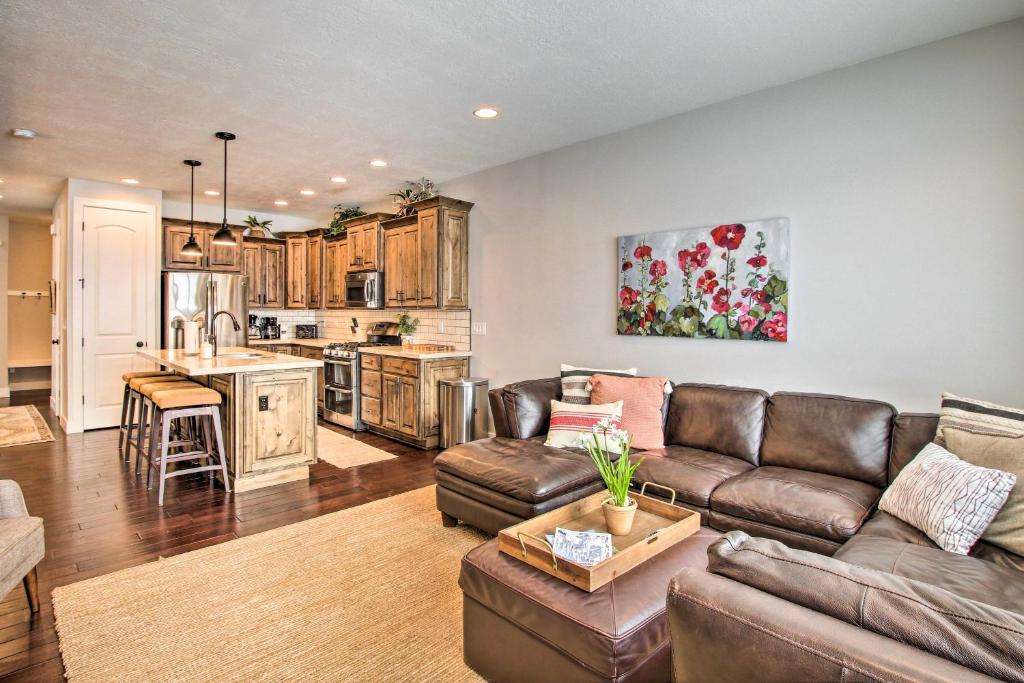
{"x":117,"y":274}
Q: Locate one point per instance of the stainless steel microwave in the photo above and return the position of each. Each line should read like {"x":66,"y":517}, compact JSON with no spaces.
{"x":364,"y":290}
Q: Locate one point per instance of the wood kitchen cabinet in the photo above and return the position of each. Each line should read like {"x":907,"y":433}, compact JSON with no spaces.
{"x":216,"y":257}
{"x":400,"y":395}
{"x":317,"y":353}
{"x":364,"y":237}
{"x":296,"y":269}
{"x":335,"y":265}
{"x":426,"y":256}
{"x":263,"y":263}
{"x":314,"y":271}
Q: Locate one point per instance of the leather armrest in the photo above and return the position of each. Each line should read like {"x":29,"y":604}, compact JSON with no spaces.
{"x":723,"y":630}
{"x":496,"y":397}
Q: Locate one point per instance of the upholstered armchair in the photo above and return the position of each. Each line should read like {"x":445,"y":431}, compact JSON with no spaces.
{"x":21,"y":544}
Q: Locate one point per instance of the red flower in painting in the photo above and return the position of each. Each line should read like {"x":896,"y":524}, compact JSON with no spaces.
{"x":759,"y":296}
{"x":627,"y":265}
{"x":720,"y":301}
{"x":684,"y":257}
{"x":775,"y":327}
{"x":700,"y":255}
{"x":746,"y":323}
{"x":707,"y":282}
{"x":729,"y":236}
{"x":658,"y":270}
{"x":628,"y":296}
{"x":758,"y":261}
{"x":642,"y":252}
{"x":651,"y":312}
{"x":745,"y":291}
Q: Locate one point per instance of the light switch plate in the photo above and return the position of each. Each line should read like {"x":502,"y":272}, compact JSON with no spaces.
{"x":480,"y":328}
{"x":264,"y":403}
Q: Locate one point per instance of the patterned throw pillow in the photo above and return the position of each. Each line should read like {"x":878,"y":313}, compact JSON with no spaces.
{"x":569,"y":420}
{"x":978,"y":417}
{"x":950,"y":500}
{"x":576,"y":382}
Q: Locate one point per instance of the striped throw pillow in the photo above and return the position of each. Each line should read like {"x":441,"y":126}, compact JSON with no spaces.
{"x":950,"y":500}
{"x":576,"y":382}
{"x":569,"y":420}
{"x":978,"y":417}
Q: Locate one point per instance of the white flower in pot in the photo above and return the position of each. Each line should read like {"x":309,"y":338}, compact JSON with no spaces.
{"x":604,"y":439}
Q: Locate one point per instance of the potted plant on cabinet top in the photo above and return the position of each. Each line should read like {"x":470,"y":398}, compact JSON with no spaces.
{"x":415,"y":191}
{"x":606,"y":438}
{"x":258,"y":228}
{"x":342,"y":214}
{"x":406,"y":328}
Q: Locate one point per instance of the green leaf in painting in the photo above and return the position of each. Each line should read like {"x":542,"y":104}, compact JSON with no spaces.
{"x":775,"y":288}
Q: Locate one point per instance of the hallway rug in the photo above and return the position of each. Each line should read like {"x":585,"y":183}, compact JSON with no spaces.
{"x":365,"y":594}
{"x":343,"y":451}
{"x":21,"y":425}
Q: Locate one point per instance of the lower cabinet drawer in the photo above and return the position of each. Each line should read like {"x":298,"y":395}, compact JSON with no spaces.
{"x":370,"y":385}
{"x":370,"y":410}
{"x":402,"y":366}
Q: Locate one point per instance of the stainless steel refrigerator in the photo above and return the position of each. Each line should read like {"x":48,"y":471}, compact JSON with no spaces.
{"x":194,"y":296}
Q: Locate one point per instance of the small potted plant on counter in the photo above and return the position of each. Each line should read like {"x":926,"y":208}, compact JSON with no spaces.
{"x":406,"y":328}
{"x":606,"y":438}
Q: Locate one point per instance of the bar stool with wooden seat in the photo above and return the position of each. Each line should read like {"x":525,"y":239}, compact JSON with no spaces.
{"x":146,"y":411}
{"x":174,"y":404}
{"x":126,"y":378}
{"x":135,"y":399}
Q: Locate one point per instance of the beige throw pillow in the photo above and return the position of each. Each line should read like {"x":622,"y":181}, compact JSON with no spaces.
{"x":570,"y":420}
{"x":998,"y":453}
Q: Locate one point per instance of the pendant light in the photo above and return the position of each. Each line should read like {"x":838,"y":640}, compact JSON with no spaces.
{"x":192,"y":247}
{"x":224,"y":235}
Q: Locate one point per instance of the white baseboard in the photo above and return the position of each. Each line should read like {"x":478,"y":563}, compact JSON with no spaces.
{"x":30,"y":386}
{"x":5,"y":392}
{"x":53,"y":405}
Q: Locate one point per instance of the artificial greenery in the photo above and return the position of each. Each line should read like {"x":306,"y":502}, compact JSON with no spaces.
{"x":254,"y":222}
{"x":414,"y":191}
{"x":617,"y":475}
{"x":341,"y":214}
{"x":407,"y":324}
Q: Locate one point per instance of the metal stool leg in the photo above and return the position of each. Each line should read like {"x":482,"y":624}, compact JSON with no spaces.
{"x":132,"y":400}
{"x":165,"y":437}
{"x":141,"y":438}
{"x":124,"y":414}
{"x":215,"y":417}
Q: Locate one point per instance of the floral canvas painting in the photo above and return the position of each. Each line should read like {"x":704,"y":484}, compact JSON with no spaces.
{"x":726,"y":281}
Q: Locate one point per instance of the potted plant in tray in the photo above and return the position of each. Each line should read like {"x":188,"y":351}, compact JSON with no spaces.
{"x":619,"y":508}
{"x":406,"y":328}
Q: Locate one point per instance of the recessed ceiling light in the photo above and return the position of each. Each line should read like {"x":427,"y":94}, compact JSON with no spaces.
{"x":129,"y":181}
{"x":339,"y":179}
{"x":211,"y":193}
{"x":280,"y":202}
{"x":486,"y":113}
{"x":308,"y":193}
{"x":379,"y":163}
{"x":26,"y":133}
{"x":1,"y":196}
{"x":1,"y":181}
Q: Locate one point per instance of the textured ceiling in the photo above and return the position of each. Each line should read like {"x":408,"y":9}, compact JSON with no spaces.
{"x":316,"y":88}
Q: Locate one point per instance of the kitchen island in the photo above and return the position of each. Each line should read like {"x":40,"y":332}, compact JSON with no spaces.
{"x":269,"y":410}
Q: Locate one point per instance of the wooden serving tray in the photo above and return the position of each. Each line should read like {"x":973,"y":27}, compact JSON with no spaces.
{"x":657,"y":526}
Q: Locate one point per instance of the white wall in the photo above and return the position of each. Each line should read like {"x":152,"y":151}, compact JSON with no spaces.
{"x":904,"y":181}
{"x":5,"y":389}
{"x":214,"y":214}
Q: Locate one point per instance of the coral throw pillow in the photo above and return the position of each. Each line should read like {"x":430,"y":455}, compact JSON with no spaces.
{"x":642,"y":398}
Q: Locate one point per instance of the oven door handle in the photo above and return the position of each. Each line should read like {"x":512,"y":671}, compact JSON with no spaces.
{"x":368,"y":290}
{"x":338,"y":362}
{"x":337,"y":390}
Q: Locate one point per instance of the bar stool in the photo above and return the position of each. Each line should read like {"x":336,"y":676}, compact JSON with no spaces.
{"x":133,"y":386}
{"x":126,"y":378}
{"x":146,"y":411}
{"x":174,"y":404}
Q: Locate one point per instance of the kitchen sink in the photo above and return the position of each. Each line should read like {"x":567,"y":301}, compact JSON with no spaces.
{"x":242,"y":356}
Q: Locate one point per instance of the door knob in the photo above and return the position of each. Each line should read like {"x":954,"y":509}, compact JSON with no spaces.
{"x":139,"y":344}
{"x":55,"y":341}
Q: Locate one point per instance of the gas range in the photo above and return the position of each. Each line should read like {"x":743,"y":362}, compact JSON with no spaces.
{"x":342,"y":374}
{"x":349,"y":349}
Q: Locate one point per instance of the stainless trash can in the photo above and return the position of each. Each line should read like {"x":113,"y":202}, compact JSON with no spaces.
{"x":463,"y":410}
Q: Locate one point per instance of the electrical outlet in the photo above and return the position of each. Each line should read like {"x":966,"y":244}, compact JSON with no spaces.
{"x":479,"y":328}
{"x":440,"y":327}
{"x":264,"y":403}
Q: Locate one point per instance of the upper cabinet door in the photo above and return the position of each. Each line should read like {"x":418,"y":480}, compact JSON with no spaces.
{"x":370,"y":245}
{"x":252,"y":269}
{"x":314,"y":271}
{"x":223,"y":258}
{"x":175,"y":237}
{"x":273,"y":273}
{"x":409,"y":265}
{"x":393,"y":267}
{"x":427,"y":286}
{"x":297,"y":259}
{"x":355,"y":249}
{"x":455,"y":259}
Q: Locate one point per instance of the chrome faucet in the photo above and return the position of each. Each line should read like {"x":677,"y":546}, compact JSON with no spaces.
{"x":212,"y":336}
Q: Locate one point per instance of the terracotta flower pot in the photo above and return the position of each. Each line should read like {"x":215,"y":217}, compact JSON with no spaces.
{"x":619,"y":519}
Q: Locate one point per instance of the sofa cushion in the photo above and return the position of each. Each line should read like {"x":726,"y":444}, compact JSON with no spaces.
{"x":808,"y":502}
{"x":528,"y":406}
{"x":726,"y":420}
{"x":692,"y":473}
{"x":968,"y":577}
{"x":525,"y":470}
{"x":973,"y":634}
{"x":910,"y":433}
{"x":844,"y":437}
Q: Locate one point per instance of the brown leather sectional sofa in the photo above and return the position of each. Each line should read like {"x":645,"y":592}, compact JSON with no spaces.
{"x":806,"y":470}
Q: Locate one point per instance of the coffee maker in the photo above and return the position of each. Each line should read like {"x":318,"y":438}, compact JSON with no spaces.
{"x":269,"y":329}
{"x":254,"y":328}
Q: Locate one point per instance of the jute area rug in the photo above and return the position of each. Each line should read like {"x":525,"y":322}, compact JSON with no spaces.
{"x":21,"y":425}
{"x":343,"y":451}
{"x":364,"y":594}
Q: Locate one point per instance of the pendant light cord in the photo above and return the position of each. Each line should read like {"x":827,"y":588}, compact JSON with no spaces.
{"x":192,"y":206}
{"x":225,"y":198}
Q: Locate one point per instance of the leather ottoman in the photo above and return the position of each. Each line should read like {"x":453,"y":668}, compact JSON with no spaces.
{"x":520,"y":624}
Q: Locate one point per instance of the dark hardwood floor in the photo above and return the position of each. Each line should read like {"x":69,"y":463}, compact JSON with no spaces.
{"x":99,"y":518}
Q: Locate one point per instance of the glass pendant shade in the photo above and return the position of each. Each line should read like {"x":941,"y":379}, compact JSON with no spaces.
{"x":191,"y":247}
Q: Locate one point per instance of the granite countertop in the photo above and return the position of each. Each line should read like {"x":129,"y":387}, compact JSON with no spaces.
{"x":223,"y":364}
{"x":396,"y":351}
